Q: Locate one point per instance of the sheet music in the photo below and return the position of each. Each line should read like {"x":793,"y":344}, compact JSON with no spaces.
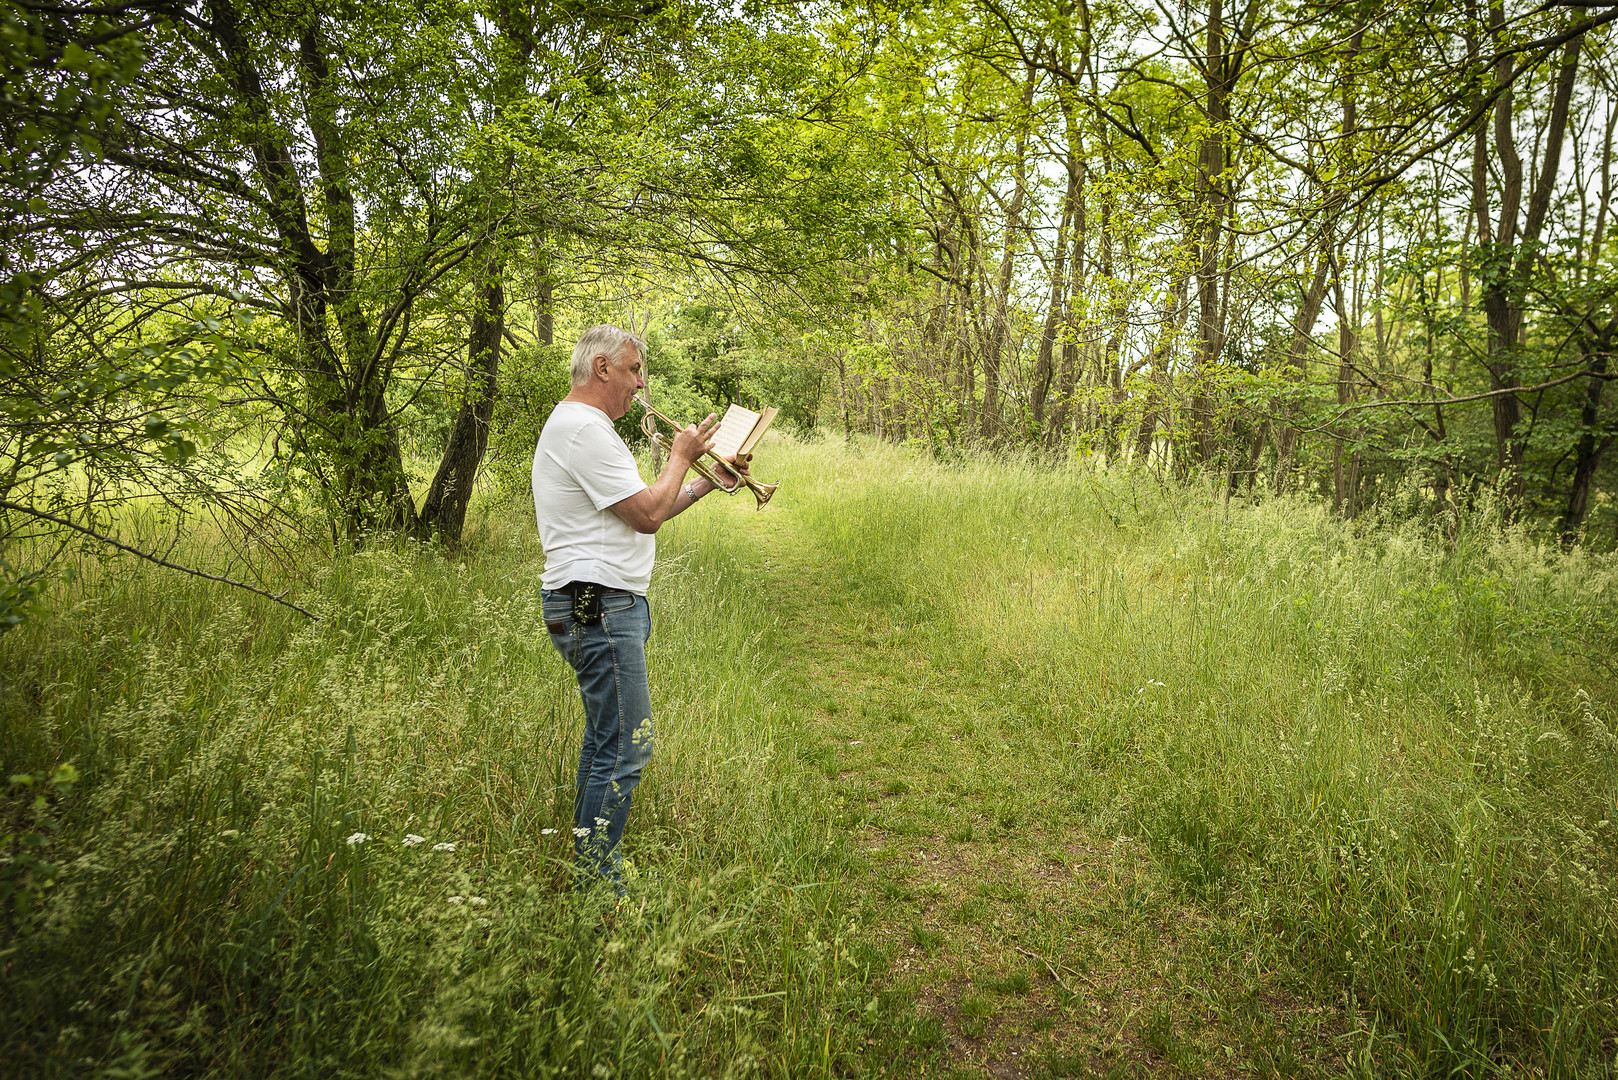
{"x":733,"y":430}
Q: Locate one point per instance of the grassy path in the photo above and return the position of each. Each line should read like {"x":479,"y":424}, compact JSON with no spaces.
{"x":1041,"y":946}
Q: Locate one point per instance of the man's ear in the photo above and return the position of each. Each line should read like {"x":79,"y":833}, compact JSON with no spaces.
{"x":601,"y":363}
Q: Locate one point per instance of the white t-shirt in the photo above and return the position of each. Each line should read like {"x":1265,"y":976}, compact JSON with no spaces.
{"x":581,"y":468}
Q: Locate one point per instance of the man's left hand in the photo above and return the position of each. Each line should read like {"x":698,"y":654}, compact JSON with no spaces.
{"x":732,"y":470}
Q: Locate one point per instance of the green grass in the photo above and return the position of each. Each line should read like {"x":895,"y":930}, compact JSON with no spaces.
{"x":965,"y":768}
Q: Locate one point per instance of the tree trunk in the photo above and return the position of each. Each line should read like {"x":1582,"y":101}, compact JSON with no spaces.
{"x":1288,"y":438}
{"x":1220,"y":69}
{"x":1436,"y":430}
{"x":545,"y":307}
{"x":444,"y":510}
{"x":1146,"y":430}
{"x":1594,"y":439}
{"x":842,"y":394}
{"x":1345,"y":462}
{"x":1045,"y":363}
{"x":1176,"y":309}
{"x":1510,"y":252}
{"x":347,"y":425}
{"x":1000,"y":327}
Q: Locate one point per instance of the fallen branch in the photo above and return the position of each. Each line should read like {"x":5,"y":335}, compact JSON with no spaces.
{"x":149,"y":557}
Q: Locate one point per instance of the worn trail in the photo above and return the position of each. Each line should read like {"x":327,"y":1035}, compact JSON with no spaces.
{"x":1041,"y":947}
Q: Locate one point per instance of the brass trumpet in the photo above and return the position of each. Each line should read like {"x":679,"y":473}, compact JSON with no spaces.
{"x":648,"y":424}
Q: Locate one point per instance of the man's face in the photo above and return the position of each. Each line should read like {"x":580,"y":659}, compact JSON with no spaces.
{"x":624,"y":380}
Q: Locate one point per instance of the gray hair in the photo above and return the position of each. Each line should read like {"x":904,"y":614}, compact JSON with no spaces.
{"x":608,"y":341}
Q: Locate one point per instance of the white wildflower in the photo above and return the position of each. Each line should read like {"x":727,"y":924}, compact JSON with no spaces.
{"x":601,"y":822}
{"x":356,"y":839}
{"x":445,"y":847}
{"x":411,"y":840}
{"x":581,"y":833}
{"x":547,"y":832}
{"x":477,"y":901}
{"x":457,"y":899}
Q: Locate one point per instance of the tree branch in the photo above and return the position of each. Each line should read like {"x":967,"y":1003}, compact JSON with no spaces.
{"x":1484,"y":396}
{"x":6,"y":504}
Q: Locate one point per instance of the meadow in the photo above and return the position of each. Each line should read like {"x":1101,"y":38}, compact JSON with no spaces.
{"x":983,"y":768}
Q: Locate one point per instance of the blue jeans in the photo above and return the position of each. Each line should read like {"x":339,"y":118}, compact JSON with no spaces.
{"x":610,"y":661}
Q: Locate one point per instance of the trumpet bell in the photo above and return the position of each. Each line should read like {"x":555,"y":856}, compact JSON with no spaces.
{"x":762,"y":492}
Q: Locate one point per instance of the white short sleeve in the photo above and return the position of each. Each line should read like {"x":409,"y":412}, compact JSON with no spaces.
{"x":581,"y":469}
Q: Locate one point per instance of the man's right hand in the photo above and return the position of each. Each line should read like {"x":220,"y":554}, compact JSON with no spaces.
{"x":694,"y":440}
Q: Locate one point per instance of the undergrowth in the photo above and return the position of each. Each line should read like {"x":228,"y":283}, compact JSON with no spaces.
{"x":341,"y":846}
{"x":1383,"y":755}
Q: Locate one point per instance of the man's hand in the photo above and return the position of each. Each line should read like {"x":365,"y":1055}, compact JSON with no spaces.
{"x":694,"y":440}
{"x":647,"y":510}
{"x":732,"y":470}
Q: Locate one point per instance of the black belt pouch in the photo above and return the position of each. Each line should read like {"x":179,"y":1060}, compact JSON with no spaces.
{"x":586,"y":601}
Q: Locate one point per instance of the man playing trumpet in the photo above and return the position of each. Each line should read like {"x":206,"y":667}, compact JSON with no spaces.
{"x":597,"y":521}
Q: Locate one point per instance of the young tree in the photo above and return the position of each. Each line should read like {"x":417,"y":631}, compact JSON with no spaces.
{"x":93,"y":401}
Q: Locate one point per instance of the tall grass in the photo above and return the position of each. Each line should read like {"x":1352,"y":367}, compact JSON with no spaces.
{"x":237,"y":896}
{"x":1387,"y":749}
{"x":1384,"y":753}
